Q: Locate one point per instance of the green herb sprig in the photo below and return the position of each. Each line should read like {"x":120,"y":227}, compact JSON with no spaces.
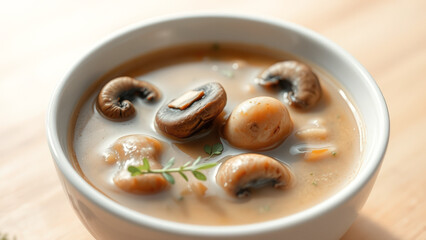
{"x":195,"y":168}
{"x":215,"y":149}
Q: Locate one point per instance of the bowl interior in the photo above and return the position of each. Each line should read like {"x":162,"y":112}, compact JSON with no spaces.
{"x":159,"y":33}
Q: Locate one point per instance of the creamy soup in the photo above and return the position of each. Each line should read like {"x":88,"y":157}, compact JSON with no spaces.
{"x":322,"y":151}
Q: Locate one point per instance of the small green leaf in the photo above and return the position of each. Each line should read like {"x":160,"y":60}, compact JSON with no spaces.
{"x":199,"y":175}
{"x":168,"y":177}
{"x":134,"y":171}
{"x":217,"y":148}
{"x":206,"y":166}
{"x":208,"y":149}
{"x":169,"y":163}
{"x":145,"y":166}
{"x":184,"y":176}
{"x":196,"y":161}
{"x":186,"y":164}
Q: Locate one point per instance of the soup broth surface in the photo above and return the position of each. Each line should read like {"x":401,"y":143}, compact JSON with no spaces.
{"x":177,"y":70}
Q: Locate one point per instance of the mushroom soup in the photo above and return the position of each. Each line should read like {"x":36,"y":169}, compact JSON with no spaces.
{"x":255,"y":135}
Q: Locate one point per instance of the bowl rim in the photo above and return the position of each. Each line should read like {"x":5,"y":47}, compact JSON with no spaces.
{"x":97,"y":198}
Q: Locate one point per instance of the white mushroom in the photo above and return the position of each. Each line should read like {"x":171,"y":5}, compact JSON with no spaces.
{"x":258,"y":123}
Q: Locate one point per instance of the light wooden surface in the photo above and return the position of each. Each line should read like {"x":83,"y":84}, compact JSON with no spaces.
{"x":40,"y":40}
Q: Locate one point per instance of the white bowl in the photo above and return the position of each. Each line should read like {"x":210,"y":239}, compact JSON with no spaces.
{"x":106,"y":219}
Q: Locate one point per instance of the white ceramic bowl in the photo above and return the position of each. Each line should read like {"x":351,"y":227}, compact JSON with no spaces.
{"x":106,"y":219}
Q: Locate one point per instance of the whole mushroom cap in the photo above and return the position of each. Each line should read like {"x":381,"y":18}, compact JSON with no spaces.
{"x":258,"y":123}
{"x":184,"y":122}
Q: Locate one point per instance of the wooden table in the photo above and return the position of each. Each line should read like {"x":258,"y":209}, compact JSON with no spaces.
{"x":40,"y":40}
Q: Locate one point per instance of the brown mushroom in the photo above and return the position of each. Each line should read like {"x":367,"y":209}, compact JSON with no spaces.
{"x":114,"y":99}
{"x":300,"y":83}
{"x":193,"y":110}
{"x":241,"y":173}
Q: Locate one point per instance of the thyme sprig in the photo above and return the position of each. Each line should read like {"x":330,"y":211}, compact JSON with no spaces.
{"x":194,"y":168}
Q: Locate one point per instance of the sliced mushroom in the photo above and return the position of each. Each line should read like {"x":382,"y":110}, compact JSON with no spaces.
{"x":258,"y":124}
{"x":189,"y":113}
{"x":300,"y":83}
{"x":114,"y":100}
{"x":239,"y":174}
{"x":131,"y":150}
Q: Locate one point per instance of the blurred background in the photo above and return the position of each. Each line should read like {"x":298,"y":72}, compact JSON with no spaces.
{"x":41,"y":39}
